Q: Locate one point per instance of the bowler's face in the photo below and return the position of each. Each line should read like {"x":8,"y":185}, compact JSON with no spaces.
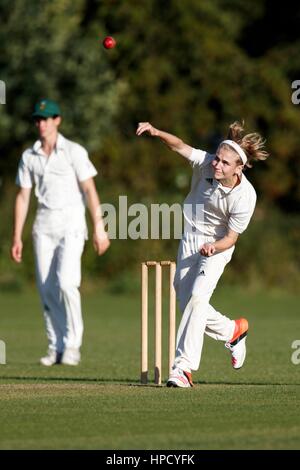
{"x":225,"y":164}
{"x":47,"y":126}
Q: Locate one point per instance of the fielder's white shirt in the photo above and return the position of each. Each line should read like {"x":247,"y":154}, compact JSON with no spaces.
{"x":210,"y":208}
{"x":61,"y":204}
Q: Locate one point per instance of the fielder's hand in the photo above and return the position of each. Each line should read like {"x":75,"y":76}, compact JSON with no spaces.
{"x":101,"y":244}
{"x":16,"y":251}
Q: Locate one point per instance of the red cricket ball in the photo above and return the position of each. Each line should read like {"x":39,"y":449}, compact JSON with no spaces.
{"x":109,"y":42}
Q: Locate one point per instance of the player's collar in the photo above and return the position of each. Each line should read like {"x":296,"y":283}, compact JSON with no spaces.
{"x":228,"y":190}
{"x":60,"y":144}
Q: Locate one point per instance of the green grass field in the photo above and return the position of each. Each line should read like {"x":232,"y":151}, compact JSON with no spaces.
{"x":101,"y":405}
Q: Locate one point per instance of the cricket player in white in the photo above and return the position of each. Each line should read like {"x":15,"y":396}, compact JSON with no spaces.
{"x":216,"y":211}
{"x":62,"y":175}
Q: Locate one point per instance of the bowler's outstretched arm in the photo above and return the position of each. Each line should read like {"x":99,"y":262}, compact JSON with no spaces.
{"x":173,"y":142}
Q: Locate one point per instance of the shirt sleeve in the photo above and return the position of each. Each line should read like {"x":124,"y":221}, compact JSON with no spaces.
{"x":83,"y":166}
{"x":24,"y":178}
{"x":199,"y":158}
{"x":241,"y":214}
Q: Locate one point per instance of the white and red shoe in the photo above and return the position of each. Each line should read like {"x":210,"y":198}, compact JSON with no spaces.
{"x":180,"y":378}
{"x":237,"y":344}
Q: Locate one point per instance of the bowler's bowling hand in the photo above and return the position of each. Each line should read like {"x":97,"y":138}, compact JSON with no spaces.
{"x":208,"y":249}
{"x":101,"y":244}
{"x":146,"y":127}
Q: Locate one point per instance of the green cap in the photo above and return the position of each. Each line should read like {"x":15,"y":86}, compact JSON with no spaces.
{"x":46,"y":108}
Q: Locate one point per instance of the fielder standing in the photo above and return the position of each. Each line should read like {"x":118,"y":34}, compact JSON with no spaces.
{"x":216,"y":211}
{"x":62,"y":175}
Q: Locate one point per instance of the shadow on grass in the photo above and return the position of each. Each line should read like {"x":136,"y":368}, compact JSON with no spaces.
{"x":70,"y":379}
{"x":133,"y":383}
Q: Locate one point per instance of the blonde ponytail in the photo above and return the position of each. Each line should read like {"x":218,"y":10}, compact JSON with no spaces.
{"x":252,"y":144}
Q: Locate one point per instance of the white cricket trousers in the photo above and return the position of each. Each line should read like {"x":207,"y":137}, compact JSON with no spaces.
{"x":58,"y":273}
{"x":195,"y":280}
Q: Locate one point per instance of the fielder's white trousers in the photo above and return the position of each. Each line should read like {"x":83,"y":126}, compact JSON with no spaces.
{"x":58,"y":273}
{"x":195,"y":280}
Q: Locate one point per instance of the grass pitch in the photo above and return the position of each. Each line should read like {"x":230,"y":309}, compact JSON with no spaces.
{"x":101,"y":405}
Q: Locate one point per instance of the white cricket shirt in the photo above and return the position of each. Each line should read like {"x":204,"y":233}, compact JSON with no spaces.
{"x":61,"y":205}
{"x":210,"y":209}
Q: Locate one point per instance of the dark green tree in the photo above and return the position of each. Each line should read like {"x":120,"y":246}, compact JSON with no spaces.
{"x":48,"y":52}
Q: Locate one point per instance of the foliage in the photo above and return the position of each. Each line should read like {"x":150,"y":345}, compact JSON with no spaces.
{"x":49,"y":53}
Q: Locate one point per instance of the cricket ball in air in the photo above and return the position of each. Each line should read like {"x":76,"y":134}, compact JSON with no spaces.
{"x":109,"y":42}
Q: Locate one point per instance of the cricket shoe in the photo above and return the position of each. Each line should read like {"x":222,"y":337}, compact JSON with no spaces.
{"x":53,"y":357}
{"x":237,"y":344}
{"x":71,"y":357}
{"x":180,"y":378}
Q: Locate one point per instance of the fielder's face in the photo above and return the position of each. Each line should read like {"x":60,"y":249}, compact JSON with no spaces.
{"x":226,"y":165}
{"x":47,"y":126}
